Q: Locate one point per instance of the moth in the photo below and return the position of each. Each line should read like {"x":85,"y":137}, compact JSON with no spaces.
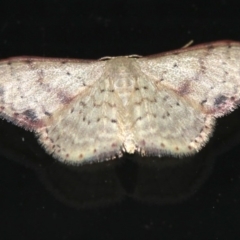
{"x":95,"y":110}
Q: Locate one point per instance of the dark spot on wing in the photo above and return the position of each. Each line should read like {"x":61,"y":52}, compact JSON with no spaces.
{"x":203,"y":101}
{"x":114,"y":145}
{"x":82,"y":103}
{"x":30,"y":114}
{"x":165,"y":98}
{"x":138,"y":119}
{"x":64,"y":99}
{"x":184,"y":89}
{"x":47,"y":113}
{"x":220,"y":100}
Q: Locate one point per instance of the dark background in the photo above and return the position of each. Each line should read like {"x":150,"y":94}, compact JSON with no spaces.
{"x":130,"y":198}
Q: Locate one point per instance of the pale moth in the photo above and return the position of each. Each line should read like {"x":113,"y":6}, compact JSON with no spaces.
{"x":94,"y":110}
